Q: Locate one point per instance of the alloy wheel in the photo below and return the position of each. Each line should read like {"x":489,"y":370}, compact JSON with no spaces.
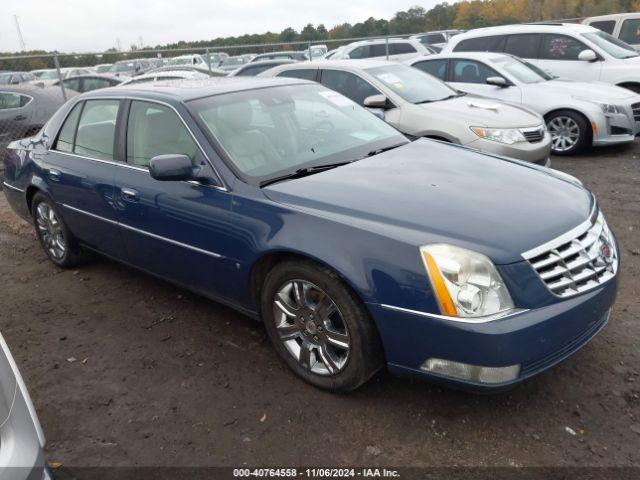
{"x":565,"y":133}
{"x":51,"y":233}
{"x":311,"y":327}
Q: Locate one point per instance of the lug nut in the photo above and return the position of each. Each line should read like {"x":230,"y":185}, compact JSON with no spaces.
{"x":315,"y":338}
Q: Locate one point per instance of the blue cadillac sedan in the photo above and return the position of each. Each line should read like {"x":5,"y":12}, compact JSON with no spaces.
{"x":355,"y":247}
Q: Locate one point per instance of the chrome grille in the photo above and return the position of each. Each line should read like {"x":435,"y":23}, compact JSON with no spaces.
{"x":576,"y":262}
{"x":533,"y":135}
{"x":636,"y":111}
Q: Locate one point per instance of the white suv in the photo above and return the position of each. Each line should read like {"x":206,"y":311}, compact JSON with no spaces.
{"x":578,"y":52}
{"x":399,"y":49}
{"x":624,"y":26}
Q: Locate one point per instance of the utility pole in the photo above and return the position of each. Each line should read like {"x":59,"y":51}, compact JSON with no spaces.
{"x":23,"y":46}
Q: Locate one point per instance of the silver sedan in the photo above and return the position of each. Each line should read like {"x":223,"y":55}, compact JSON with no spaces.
{"x":578,"y":114}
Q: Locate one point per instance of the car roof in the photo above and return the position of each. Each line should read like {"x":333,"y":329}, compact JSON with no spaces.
{"x":186,"y":90}
{"x":381,"y":40}
{"x":471,"y":55}
{"x":613,"y":16}
{"x":346,"y":64}
{"x":524,"y":28}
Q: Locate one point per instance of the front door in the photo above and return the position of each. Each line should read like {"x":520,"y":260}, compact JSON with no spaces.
{"x":178,"y":230}
{"x":471,"y":76}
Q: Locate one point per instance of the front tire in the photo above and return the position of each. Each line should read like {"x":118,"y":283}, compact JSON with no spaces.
{"x":570,"y":132}
{"x":54,"y":235}
{"x":319,"y":327}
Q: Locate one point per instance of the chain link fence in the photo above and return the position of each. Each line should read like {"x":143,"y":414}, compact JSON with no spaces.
{"x":33,"y":87}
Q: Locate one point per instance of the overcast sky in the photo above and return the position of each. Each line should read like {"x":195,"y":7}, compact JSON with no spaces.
{"x":94,"y":25}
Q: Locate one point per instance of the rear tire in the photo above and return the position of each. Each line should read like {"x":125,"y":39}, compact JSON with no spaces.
{"x":319,"y":327}
{"x":570,"y":132}
{"x":57,"y":241}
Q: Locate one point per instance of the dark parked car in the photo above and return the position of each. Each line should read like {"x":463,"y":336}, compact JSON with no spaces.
{"x":24,"y":109}
{"x":252,"y":69}
{"x":356,"y":247}
{"x":88,"y":83}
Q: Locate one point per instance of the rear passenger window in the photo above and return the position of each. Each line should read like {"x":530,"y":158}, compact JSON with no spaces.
{"x":524,"y":46}
{"x":561,"y":47}
{"x":304,"y":74}
{"x":606,"y":26}
{"x":68,"y":130}
{"x":437,"y":68}
{"x":360,"y":52}
{"x":493,"y":43}
{"x":153,"y":130}
{"x":436,"y":38}
{"x":401,"y":48}
{"x":97,"y":129}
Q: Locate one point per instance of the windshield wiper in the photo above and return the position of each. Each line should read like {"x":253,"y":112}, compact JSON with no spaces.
{"x":456,"y":95}
{"x":384,"y":149}
{"x":303,"y":172}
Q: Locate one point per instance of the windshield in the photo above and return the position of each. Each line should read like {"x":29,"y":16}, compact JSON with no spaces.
{"x":614,"y":47}
{"x":521,"y":70}
{"x":234,"y":61}
{"x":269,"y":132}
{"x":122,"y":67}
{"x":412,"y":84}
{"x":103,"y":68}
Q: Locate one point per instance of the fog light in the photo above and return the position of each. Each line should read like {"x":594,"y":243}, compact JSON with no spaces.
{"x":472,"y":373}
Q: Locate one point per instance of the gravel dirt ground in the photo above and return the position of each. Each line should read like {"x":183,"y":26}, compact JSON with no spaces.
{"x":127,"y":370}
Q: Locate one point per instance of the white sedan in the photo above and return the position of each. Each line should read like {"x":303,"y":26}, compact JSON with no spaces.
{"x":578,"y":114}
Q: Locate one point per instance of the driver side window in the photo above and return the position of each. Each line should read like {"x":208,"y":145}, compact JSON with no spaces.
{"x":561,"y":47}
{"x":155,"y":129}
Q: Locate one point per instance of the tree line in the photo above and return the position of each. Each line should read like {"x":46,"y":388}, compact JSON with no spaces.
{"x":461,"y":15}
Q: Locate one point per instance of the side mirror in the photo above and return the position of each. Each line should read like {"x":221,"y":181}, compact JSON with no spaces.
{"x":587,"y":56}
{"x":497,"y":82}
{"x":172,"y":167}
{"x":376,"y":101}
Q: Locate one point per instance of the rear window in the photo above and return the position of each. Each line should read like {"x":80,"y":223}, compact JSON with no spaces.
{"x":605,"y":25}
{"x":524,"y":45}
{"x":481,"y":44}
{"x":304,"y":74}
{"x":437,"y":68}
{"x":97,"y":129}
{"x":399,"y":48}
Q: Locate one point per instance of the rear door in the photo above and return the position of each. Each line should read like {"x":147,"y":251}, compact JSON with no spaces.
{"x":80,"y":169}
{"x":177,"y":230}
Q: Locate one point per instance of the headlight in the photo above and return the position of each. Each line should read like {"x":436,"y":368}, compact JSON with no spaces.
{"x":607,"y":108}
{"x":500,"y":135}
{"x":465,"y":283}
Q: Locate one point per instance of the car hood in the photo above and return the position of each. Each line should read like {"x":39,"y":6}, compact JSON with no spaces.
{"x":484,"y":112}
{"x":598,"y":91}
{"x":430,"y":192}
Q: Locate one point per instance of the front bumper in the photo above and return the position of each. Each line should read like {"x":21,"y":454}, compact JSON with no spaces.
{"x":537,"y":152}
{"x":614,"y":129}
{"x":534,"y":339}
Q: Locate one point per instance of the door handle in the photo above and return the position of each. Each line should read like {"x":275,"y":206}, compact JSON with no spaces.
{"x":55,"y":175}
{"x":129,"y":194}
{"x":19,"y":118}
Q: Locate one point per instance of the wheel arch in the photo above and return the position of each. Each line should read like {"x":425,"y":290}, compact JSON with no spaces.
{"x":586,"y":118}
{"x":267,"y":261}
{"x":630,"y":85}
